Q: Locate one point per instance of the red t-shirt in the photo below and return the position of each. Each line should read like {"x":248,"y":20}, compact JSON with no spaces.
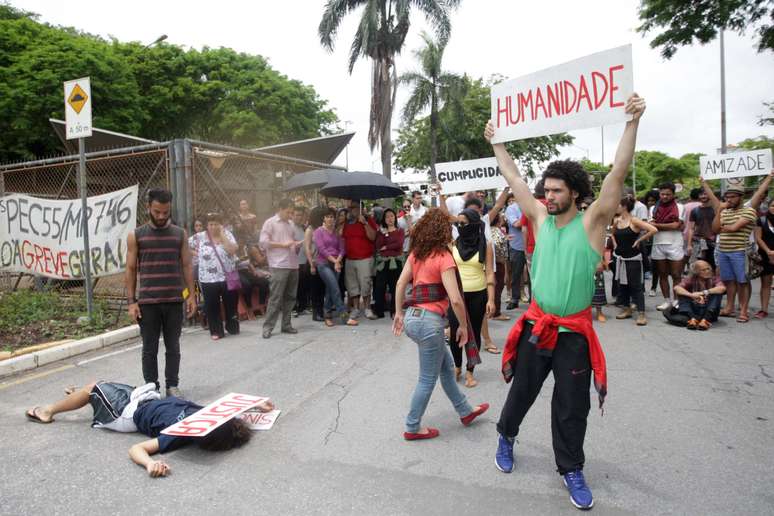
{"x":357,"y":244}
{"x":429,"y":271}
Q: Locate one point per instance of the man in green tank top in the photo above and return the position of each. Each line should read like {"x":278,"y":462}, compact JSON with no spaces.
{"x":568,"y":247}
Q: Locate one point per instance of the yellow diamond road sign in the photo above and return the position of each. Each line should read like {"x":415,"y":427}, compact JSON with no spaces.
{"x":77,"y":98}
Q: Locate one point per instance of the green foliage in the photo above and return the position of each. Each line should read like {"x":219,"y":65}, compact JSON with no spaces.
{"x":160,"y":92}
{"x":767,"y":120}
{"x":761,"y":142}
{"x":682,"y":21}
{"x":31,"y":317}
{"x":461,"y":135}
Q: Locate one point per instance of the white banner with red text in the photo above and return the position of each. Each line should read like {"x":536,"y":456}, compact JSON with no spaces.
{"x":587,"y":92}
{"x":44,"y":237}
{"x":213,"y":415}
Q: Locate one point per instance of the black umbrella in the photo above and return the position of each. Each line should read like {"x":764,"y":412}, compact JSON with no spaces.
{"x":312,"y":180}
{"x":361,"y":185}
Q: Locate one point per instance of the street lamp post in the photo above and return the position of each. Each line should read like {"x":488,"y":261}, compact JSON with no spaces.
{"x":157,"y":40}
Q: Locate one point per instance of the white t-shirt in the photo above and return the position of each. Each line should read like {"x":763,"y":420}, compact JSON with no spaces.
{"x":673,"y":237}
{"x":415,"y":215}
{"x":640,"y":211}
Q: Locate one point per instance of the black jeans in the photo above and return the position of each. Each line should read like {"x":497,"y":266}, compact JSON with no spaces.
{"x":499,"y":286}
{"x":518,"y":260}
{"x":634,"y":292}
{"x":570,"y":403}
{"x":385,"y":280}
{"x":304,"y":287}
{"x":158,"y":319}
{"x":475,"y":304}
{"x":214,"y":294}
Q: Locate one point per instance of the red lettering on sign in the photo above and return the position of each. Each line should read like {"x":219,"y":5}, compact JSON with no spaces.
{"x":613,"y":88}
{"x":27,"y":254}
{"x":554,"y":99}
{"x":189,"y":431}
{"x":248,"y":399}
{"x":583,"y":92}
{"x":38,"y":257}
{"x":595,"y":78}
{"x":59,"y":264}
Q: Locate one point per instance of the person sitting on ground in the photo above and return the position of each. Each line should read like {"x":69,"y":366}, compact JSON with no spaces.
{"x":699,"y":296}
{"x":254,"y":273}
{"x":141,"y":410}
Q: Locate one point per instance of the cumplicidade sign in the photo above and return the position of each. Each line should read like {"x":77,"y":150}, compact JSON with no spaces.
{"x":465,"y":176}
{"x":44,"y":237}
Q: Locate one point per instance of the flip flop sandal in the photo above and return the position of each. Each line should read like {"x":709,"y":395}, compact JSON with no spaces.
{"x":727,"y":314}
{"x":352,"y":322}
{"x":492,"y":349}
{"x":35,"y":418}
{"x":329,"y":323}
{"x":743,"y":318}
{"x":761,"y":314}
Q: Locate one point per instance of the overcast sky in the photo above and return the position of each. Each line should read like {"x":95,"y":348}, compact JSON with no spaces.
{"x":488,"y":37}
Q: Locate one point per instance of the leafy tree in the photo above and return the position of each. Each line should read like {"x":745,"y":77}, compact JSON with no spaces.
{"x":767,"y":120}
{"x":159,"y":93}
{"x":433,"y":88}
{"x":761,"y":142}
{"x":702,"y":19}
{"x":460,"y":135}
{"x":380,"y":36}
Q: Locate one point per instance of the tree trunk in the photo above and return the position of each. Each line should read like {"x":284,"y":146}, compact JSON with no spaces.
{"x":388,"y":101}
{"x":433,"y":138}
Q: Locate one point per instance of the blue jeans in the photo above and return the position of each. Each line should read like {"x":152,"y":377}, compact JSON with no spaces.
{"x":426,"y":329}
{"x":332,"y":293}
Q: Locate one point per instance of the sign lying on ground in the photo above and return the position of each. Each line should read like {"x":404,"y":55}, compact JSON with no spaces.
{"x":213,"y":415}
{"x":45,"y":237}
{"x":258,"y":420}
{"x":736,"y":164}
{"x":587,"y":92}
{"x":77,"y":96}
{"x":465,"y":176}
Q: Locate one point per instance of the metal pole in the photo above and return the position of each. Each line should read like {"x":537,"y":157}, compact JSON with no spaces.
{"x":634,"y":175}
{"x":85,"y":227}
{"x":603,"y":144}
{"x":723,"y":183}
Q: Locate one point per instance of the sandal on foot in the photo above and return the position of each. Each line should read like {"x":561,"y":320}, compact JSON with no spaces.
{"x":470,"y":382}
{"x":491,"y":348}
{"x":743,"y":318}
{"x":726,"y":314}
{"x":352,"y":322}
{"x":329,"y":323}
{"x":33,"y":416}
{"x":761,"y":314}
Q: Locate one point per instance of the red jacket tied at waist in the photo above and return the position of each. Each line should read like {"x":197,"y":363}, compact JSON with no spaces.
{"x":545,"y":332}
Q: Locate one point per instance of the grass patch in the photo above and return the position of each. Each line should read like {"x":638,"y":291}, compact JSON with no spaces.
{"x":28,"y":317}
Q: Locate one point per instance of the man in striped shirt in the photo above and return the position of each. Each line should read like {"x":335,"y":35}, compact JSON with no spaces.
{"x":158,"y":253}
{"x":734,"y":223}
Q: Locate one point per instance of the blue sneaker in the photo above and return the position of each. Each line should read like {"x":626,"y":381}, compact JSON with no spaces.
{"x":580,"y":494}
{"x":504,"y":455}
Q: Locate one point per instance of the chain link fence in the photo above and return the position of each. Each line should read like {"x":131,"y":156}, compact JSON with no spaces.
{"x":203,"y":177}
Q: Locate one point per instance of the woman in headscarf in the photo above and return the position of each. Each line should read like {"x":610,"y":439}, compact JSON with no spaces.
{"x":475,"y":261}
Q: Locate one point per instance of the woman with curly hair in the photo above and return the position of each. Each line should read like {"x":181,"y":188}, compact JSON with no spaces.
{"x":431,"y":270}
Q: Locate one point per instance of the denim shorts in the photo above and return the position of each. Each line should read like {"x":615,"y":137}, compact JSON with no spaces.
{"x":733,"y":266}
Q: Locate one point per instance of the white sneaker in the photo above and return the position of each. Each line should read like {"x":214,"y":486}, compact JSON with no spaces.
{"x":652,"y":293}
{"x":663,"y":306}
{"x":370,"y":315}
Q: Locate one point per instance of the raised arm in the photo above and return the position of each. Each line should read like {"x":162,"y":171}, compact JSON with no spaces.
{"x":603,"y":209}
{"x":499,"y":203}
{"x":714,"y":201}
{"x":761,"y":192}
{"x":510,"y":171}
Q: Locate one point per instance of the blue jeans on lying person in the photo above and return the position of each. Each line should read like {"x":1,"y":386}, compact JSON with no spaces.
{"x":426,"y":329}
{"x":694,"y":310}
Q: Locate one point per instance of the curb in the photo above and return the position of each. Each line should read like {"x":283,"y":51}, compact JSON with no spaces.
{"x":52,"y":354}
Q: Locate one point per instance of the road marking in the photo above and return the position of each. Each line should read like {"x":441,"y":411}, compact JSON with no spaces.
{"x":131,"y":348}
{"x":35,"y":376}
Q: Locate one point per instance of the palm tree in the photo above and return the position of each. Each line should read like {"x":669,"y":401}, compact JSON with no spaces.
{"x":433,"y":88}
{"x":380,"y":36}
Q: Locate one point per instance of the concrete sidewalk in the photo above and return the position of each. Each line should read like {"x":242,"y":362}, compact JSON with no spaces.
{"x":687,"y":429}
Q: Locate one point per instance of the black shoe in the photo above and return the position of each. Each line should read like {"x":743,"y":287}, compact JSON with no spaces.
{"x":290,"y":330}
{"x":266,"y":334}
{"x":173,"y":391}
{"x":512,"y":306}
{"x":317,"y":318}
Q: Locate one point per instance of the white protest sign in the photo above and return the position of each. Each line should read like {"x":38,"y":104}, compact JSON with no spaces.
{"x":469,"y":175}
{"x":45,"y":237}
{"x":213,"y":415}
{"x":587,"y":92}
{"x":258,"y":420}
{"x":735,"y":164}
{"x":77,"y":97}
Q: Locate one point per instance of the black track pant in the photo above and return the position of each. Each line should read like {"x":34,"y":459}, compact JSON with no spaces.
{"x":475,"y":304}
{"x":156,"y":320}
{"x":570,"y":403}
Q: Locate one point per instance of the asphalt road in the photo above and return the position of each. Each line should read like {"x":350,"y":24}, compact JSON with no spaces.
{"x":687,"y":430}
